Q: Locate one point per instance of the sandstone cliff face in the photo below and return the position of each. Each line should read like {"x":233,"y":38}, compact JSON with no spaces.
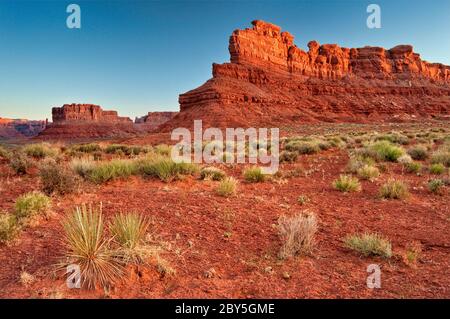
{"x":20,"y":128}
{"x":272,"y":81}
{"x":154,"y":119}
{"x":86,"y":112}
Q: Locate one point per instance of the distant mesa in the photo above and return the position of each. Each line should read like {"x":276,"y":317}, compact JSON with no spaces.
{"x":86,"y":113}
{"x":270,"y":81}
{"x":20,"y":128}
{"x":154,"y":119}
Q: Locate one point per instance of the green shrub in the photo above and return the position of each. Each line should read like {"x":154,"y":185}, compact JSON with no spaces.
{"x":57,"y":178}
{"x":82,"y":166}
{"x":165,"y":168}
{"x":441,"y":157}
{"x":435,"y":185}
{"x":128,"y":231}
{"x":40,"y":150}
{"x":437,"y":169}
{"x":302,"y":147}
{"x":119,"y":149}
{"x":386,"y":151}
{"x":87,"y":247}
{"x":367,"y":172}
{"x":393,"y":138}
{"x":212,"y":173}
{"x":297,"y":234}
{"x":413,"y":167}
{"x":31,"y":204}
{"x":288,"y":157}
{"x":356,"y":163}
{"x":254,"y":175}
{"x":393,"y":189}
{"x":9,"y":227}
{"x":418,"y":153}
{"x":19,"y":163}
{"x":369,"y":244}
{"x":107,"y":171}
{"x":86,"y":148}
{"x":227,"y":187}
{"x":347,"y":183}
{"x":163,"y":149}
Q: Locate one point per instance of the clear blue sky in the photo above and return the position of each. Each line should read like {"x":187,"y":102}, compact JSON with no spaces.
{"x":138,"y":56}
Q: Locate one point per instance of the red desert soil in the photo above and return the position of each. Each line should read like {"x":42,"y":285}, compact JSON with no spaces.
{"x":192,"y":222}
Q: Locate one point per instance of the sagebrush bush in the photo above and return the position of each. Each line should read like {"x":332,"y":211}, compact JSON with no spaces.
{"x":441,"y":156}
{"x":393,"y":189}
{"x":435,"y":185}
{"x":212,"y":173}
{"x":120,"y":149}
{"x":302,"y":147}
{"x":368,"y":172}
{"x":227,"y":187}
{"x":165,"y":168}
{"x":114,"y":169}
{"x":40,"y":150}
{"x":288,"y":157}
{"x":89,"y":248}
{"x":19,"y":163}
{"x":347,"y":183}
{"x":395,"y":137}
{"x":405,"y":159}
{"x":413,"y":167}
{"x":128,"y":231}
{"x":297,"y":234}
{"x":86,"y":148}
{"x":254,"y":174}
{"x":369,"y":244}
{"x":31,"y":204}
{"x":163,"y":149}
{"x":82,"y":166}
{"x":358,"y":162}
{"x":385,"y":151}
{"x":418,"y":152}
{"x":9,"y":227}
{"x":437,"y":169}
{"x":57,"y":178}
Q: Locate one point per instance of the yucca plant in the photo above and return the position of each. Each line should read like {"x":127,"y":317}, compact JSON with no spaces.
{"x":129,"y":232}
{"x":88,"y":248}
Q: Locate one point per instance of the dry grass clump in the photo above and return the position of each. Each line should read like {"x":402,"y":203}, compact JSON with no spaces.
{"x":288,"y":157}
{"x":413,"y":167}
{"x":212,"y":173}
{"x":26,"y":278}
{"x":83,"y":166}
{"x":128,"y":231}
{"x":9,"y":227}
{"x":40,"y":150}
{"x":357,"y":162}
{"x":393,"y":189}
{"x":442,"y":155}
{"x":120,"y":149}
{"x":31,"y":204}
{"x":87,"y":246}
{"x":435,"y":186}
{"x":4,"y":152}
{"x":368,"y":172}
{"x":347,"y":183}
{"x":418,"y":152}
{"x":384,"y":151}
{"x":437,"y":169}
{"x":114,"y":169}
{"x":57,"y":178}
{"x":227,"y":187}
{"x":86,"y":148}
{"x":254,"y":175}
{"x":369,"y":244}
{"x":393,"y":137}
{"x":165,"y":168}
{"x":19,"y":163}
{"x":302,"y":147}
{"x":297,"y":234}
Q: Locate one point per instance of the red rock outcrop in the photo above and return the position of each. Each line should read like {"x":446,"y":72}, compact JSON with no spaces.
{"x":270,"y":81}
{"x":20,"y":128}
{"x":152,"y":120}
{"x":86,"y":112}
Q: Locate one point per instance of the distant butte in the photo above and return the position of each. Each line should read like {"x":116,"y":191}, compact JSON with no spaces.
{"x":270,"y":81}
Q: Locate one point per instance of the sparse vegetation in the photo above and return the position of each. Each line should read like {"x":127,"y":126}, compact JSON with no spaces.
{"x":441,"y":156}
{"x":288,"y":157}
{"x":385,"y":151}
{"x":40,"y":150}
{"x":254,"y":175}
{"x":4,"y":152}
{"x":20,"y":163}
{"x":297,"y":234}
{"x":367,"y":172}
{"x":86,"y":148}
{"x":88,"y":247}
{"x":82,"y":166}
{"x":114,"y":169}
{"x":413,"y":167}
{"x":212,"y":173}
{"x":9,"y":227}
{"x":393,"y":189}
{"x":227,"y":187}
{"x":418,"y":152}
{"x":57,"y":178}
{"x":437,"y":169}
{"x":435,"y":185}
{"x":31,"y":204}
{"x":165,"y":169}
{"x":347,"y":183}
{"x":302,"y":147}
{"x":369,"y":244}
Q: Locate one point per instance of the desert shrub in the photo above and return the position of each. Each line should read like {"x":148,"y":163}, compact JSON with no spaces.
{"x":4,"y":152}
{"x":227,"y":187}
{"x":163,"y":149}
{"x":367,"y":172}
{"x":212,"y":173}
{"x":288,"y":157}
{"x":31,"y":204}
{"x":297,"y":234}
{"x":385,"y":151}
{"x":20,"y":163}
{"x":437,"y":168}
{"x":369,"y":244}
{"x":302,"y":147}
{"x":435,"y":185}
{"x":87,"y":246}
{"x":358,"y":162}
{"x":9,"y":227}
{"x":418,"y":152}
{"x":128,"y":231}
{"x":40,"y":150}
{"x":254,"y":174}
{"x":404,"y":159}
{"x":86,"y":148}
{"x":441,"y":156}
{"x":347,"y":183}
{"x":107,"y":171}
{"x":116,"y":149}
{"x":396,"y":138}
{"x":393,"y":189}
{"x":165,"y":168}
{"x":57,"y":178}
{"x":413,"y":167}
{"x":82,"y":166}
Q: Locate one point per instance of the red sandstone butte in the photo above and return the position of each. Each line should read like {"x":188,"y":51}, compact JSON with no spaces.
{"x":20,"y":128}
{"x":270,"y":81}
{"x":152,"y":120}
